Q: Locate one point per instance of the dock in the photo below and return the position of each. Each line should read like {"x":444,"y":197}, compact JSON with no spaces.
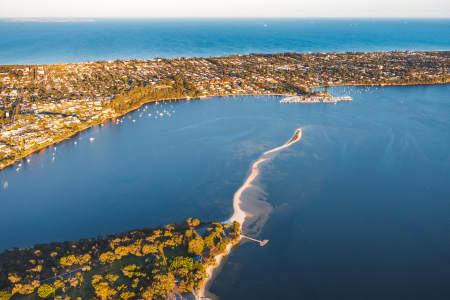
{"x":261,"y":243}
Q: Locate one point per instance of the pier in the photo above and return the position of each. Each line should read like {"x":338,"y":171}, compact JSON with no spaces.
{"x":261,"y":243}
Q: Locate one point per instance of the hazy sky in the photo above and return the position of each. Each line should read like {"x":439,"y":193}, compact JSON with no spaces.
{"x":225,"y":8}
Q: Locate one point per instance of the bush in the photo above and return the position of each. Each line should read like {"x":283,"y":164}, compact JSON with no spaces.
{"x":181,"y":262}
{"x":196,"y":246}
{"x":236,"y":228}
{"x":46,"y":290}
{"x":4,"y":295}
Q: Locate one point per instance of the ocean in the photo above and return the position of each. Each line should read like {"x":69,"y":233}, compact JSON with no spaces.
{"x":359,"y":206}
{"x":109,"y":39}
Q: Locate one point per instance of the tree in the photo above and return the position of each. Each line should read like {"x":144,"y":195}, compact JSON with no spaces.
{"x":181,"y":262}
{"x":68,"y":260}
{"x":46,"y":290}
{"x":196,"y":246}
{"x":192,"y":222}
{"x":13,"y":277}
{"x":103,"y":290}
{"x":130,"y":270}
{"x":162,"y":285}
{"x":189,"y":233}
{"x":127,"y":295}
{"x":148,"y":293}
{"x":59,"y":284}
{"x":212,"y":239}
{"x":236,"y":227}
{"x":149,"y":248}
{"x":5,"y":295}
{"x":25,"y":289}
{"x":107,"y":257}
{"x":111,"y":277}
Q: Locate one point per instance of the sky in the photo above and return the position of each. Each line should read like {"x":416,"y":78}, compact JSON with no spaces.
{"x":224,"y":8}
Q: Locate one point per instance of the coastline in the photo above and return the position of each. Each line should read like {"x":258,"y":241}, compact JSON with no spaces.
{"x":87,"y":126}
{"x":185,"y":98}
{"x":213,"y":270}
{"x":240,"y":215}
{"x":88,"y":262}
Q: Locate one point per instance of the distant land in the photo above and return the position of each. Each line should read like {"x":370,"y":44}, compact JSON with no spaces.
{"x":50,"y":20}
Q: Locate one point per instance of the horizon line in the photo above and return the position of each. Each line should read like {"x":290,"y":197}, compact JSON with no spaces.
{"x":226,"y":17}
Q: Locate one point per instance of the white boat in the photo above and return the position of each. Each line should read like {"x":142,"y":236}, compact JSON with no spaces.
{"x":91,"y":139}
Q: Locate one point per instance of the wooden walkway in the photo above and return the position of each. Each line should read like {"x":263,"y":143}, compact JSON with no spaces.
{"x":261,"y":243}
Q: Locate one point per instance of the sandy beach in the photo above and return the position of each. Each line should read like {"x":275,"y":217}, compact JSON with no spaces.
{"x":256,"y":210}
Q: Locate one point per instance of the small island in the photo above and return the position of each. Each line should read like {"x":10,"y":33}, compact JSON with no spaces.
{"x":170,"y":261}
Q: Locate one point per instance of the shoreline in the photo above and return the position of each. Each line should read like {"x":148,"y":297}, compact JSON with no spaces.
{"x":187,"y":98}
{"x":240,"y":215}
{"x":213,"y":270}
{"x":134,"y":108}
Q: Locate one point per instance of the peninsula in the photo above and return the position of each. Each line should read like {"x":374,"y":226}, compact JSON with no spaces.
{"x":171,"y":261}
{"x":175,"y":261}
{"x":41,"y":105}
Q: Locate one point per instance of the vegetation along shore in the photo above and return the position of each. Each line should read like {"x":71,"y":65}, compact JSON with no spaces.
{"x":41,"y":105}
{"x":171,"y":261}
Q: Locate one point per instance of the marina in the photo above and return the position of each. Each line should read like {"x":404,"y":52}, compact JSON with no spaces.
{"x":315,"y":99}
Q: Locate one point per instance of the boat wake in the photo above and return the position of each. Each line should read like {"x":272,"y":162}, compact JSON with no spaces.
{"x":251,"y":209}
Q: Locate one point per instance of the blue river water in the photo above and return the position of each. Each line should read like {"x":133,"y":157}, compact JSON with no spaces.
{"x":360,"y":203}
{"x":109,"y":39}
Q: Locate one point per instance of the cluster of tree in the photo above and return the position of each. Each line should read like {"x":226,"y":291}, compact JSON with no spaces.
{"x":180,"y":88}
{"x":144,"y":264}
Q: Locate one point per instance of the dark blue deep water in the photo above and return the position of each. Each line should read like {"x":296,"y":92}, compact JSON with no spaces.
{"x":361,"y":203}
{"x":40,"y":43}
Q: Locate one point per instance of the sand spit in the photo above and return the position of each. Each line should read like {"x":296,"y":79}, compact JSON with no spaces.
{"x":250,"y":209}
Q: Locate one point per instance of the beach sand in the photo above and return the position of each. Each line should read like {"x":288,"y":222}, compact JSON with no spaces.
{"x":250,"y":210}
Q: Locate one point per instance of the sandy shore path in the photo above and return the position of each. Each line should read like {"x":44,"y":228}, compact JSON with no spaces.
{"x":259,"y":210}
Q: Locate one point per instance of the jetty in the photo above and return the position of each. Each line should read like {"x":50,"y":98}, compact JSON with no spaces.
{"x":315,"y":99}
{"x":261,"y":243}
